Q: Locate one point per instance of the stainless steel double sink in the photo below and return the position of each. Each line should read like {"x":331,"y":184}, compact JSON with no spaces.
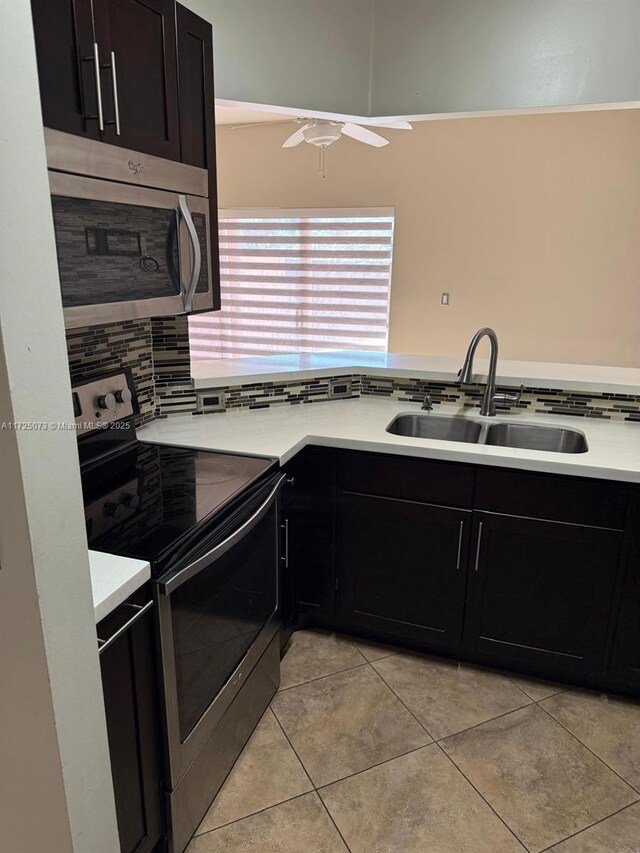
{"x":502,"y":434}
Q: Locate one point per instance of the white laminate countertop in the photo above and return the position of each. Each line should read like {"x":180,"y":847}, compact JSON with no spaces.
{"x":113,"y":580}
{"x":213,"y":373}
{"x":281,"y":431}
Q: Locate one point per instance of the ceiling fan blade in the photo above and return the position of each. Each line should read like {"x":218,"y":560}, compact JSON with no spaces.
{"x":296,"y":138}
{"x":262,"y":123}
{"x":393,"y":125}
{"x":355,"y":131}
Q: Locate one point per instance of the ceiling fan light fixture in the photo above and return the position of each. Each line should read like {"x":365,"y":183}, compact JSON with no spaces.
{"x":322,"y":133}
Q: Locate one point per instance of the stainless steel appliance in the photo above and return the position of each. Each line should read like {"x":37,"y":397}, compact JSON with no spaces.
{"x":132,"y":232}
{"x":208,"y":523}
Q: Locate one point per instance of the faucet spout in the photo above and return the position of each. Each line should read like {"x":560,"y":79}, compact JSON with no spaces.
{"x":488,"y":407}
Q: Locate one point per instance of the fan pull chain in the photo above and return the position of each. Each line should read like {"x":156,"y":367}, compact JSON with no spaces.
{"x":321,"y":163}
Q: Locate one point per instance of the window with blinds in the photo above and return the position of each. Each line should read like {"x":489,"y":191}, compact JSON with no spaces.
{"x":299,"y":281}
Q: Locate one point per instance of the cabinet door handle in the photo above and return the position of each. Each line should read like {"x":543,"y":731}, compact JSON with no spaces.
{"x":95,"y":58}
{"x":116,"y":103}
{"x":285,"y":559}
{"x":140,"y":611}
{"x":478,"y":546}
{"x":460,"y":533}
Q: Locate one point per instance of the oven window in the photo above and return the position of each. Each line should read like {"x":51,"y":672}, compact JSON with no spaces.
{"x":217,"y":615}
{"x":109,"y":252}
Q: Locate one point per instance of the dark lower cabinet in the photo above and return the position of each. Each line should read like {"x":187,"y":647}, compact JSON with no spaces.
{"x":401,"y":567}
{"x":129,"y":698}
{"x":625,"y":656}
{"x":534,"y":572}
{"x":540,"y":592}
{"x":308,"y":518}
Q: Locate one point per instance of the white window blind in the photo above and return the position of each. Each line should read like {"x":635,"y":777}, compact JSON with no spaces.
{"x":299,"y":281}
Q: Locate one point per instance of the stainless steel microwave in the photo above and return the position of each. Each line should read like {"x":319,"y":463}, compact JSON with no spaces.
{"x":132,"y":232}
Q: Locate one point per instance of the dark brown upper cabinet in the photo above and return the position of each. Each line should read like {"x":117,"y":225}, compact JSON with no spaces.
{"x":195,"y":89}
{"x":137,"y":40}
{"x":197,"y":124}
{"x":66,"y":47}
{"x":108,"y":70}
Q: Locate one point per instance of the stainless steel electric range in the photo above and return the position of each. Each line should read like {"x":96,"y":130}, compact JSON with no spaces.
{"x":208,"y":523}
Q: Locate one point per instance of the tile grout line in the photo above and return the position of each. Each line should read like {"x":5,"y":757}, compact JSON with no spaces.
{"x":319,"y":677}
{"x":591,"y":825}
{"x":595,"y":755}
{"x":419,"y":722}
{"x":293,"y":749}
{"x":315,"y":789}
{"x":324,"y":806}
{"x":251,"y":814}
{"x":483,"y":798}
{"x":561,"y":690}
{"x":436,"y":743}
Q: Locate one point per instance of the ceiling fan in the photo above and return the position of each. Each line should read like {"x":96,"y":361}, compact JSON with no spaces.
{"x":324,"y":132}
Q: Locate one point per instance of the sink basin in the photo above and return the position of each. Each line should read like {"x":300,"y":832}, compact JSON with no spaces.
{"x":529,"y":437}
{"x":433,"y":426}
{"x":523,"y":436}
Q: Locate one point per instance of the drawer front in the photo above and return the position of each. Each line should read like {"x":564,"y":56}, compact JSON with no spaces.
{"x":573,"y":500}
{"x":408,"y":478}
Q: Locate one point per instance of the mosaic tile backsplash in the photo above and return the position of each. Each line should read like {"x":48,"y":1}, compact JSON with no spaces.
{"x":158,"y":353}
{"x":541,"y":400}
{"x":97,"y":349}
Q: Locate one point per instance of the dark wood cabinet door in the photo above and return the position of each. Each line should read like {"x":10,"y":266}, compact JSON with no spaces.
{"x":64,"y":37}
{"x":128,"y":687}
{"x":540,"y":593}
{"x":141,"y":34}
{"x":309,"y":512}
{"x":401,"y":567}
{"x":625,"y":657}
{"x":197,"y":119}
{"x":195,"y":89}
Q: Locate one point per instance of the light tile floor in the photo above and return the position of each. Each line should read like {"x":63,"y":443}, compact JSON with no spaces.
{"x":371,"y":749}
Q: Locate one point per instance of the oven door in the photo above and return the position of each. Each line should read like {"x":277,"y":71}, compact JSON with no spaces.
{"x":217,"y":615}
{"x":126,"y":252}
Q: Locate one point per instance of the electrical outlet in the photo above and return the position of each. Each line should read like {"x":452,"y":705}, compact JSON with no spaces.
{"x":211,"y":401}
{"x":340,"y":388}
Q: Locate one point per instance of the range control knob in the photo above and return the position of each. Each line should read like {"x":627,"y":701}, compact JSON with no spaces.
{"x":107,"y":402}
{"x":124,"y":396}
{"x":131,"y":501}
{"x":115,"y":510}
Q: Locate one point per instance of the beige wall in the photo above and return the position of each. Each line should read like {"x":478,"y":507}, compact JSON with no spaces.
{"x":532,"y":223}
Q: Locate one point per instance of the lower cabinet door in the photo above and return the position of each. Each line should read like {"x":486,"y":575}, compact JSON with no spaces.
{"x":625,"y":657}
{"x":308,"y":510}
{"x":129,"y":698}
{"x":401,"y":568}
{"x":540,"y":592}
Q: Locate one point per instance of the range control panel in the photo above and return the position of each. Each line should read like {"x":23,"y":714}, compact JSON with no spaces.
{"x":100,"y":402}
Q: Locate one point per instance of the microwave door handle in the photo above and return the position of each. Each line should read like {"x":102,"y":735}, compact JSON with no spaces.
{"x":189,"y":293}
{"x":170,"y":585}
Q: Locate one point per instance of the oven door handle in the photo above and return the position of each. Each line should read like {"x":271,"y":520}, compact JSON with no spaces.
{"x":185,"y":213}
{"x":170,"y":585}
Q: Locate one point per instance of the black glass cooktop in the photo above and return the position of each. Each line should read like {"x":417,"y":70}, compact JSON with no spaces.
{"x":144,"y":502}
